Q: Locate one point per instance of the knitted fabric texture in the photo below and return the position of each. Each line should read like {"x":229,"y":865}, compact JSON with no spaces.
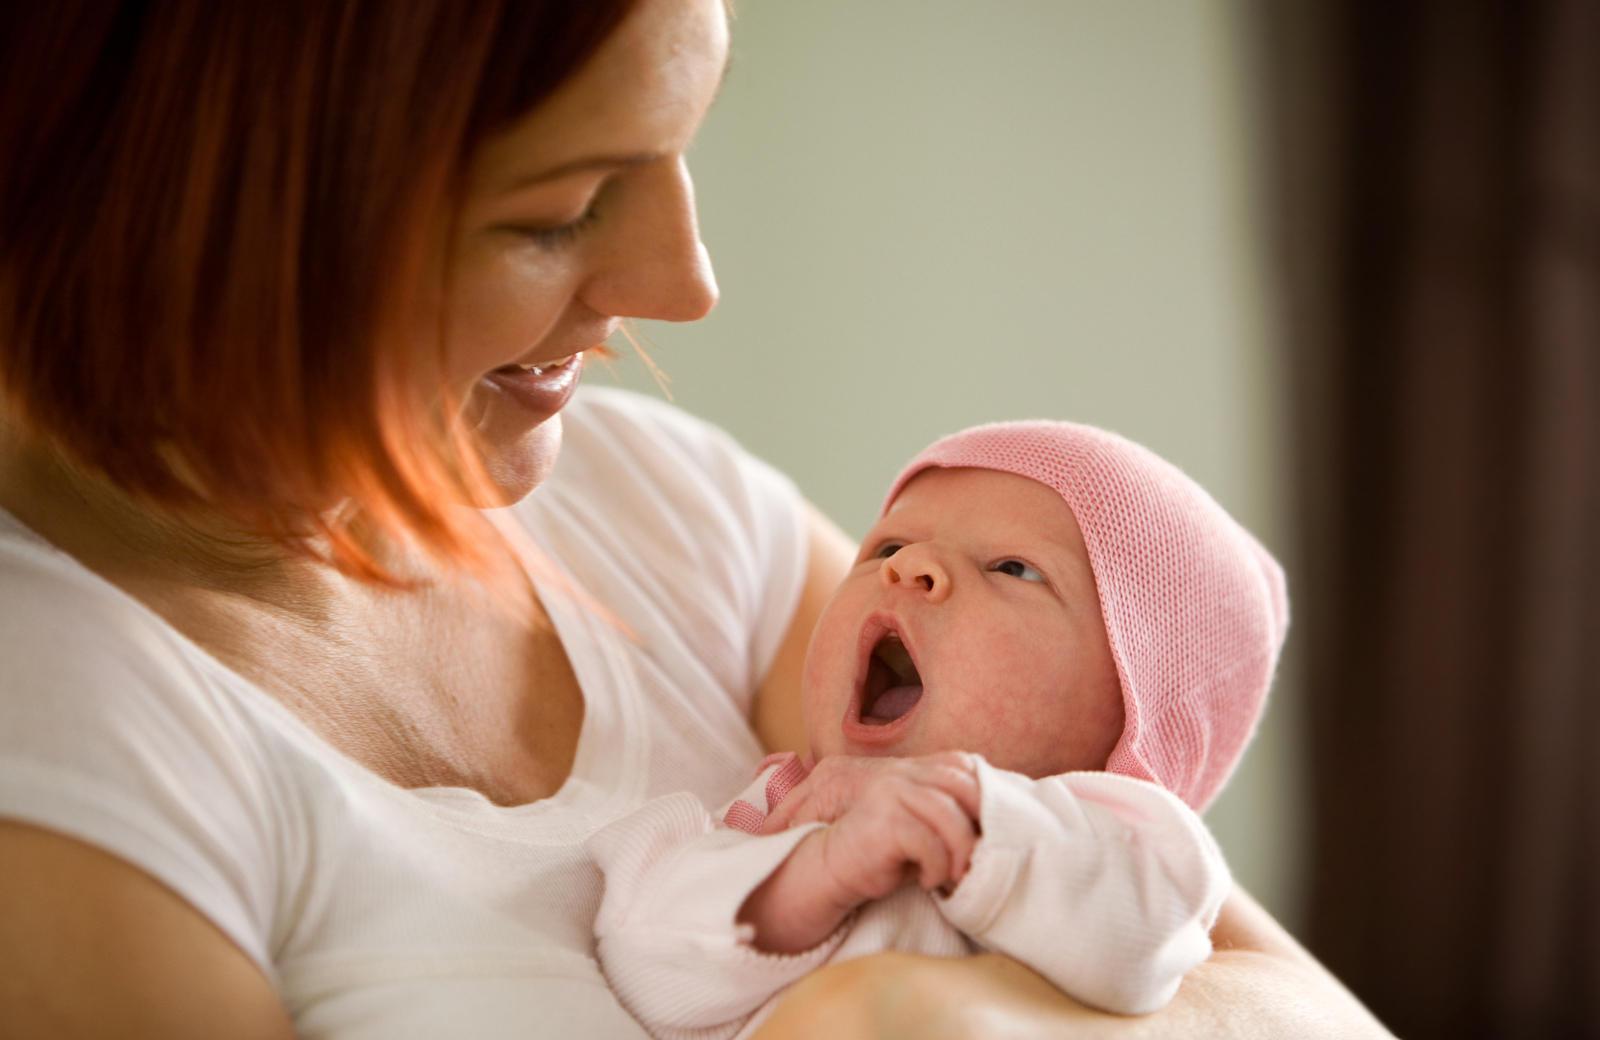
{"x":1195,"y":609}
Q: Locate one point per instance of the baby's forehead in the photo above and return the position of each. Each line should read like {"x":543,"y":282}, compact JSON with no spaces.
{"x":969,"y":480}
{"x":987,"y":501}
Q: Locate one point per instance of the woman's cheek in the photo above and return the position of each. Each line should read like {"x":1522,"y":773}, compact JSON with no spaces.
{"x":502,"y":307}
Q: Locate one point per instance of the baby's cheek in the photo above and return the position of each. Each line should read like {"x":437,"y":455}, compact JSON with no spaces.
{"x":827,"y":676}
{"x":1016,"y":715}
{"x":982,"y":731}
{"x":979,"y":667}
{"x":830,"y":648}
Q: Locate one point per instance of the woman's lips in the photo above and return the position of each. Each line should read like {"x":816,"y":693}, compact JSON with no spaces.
{"x":543,"y":391}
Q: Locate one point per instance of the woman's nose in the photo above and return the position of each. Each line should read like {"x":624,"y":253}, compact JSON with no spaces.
{"x":917,"y":567}
{"x":654,"y":264}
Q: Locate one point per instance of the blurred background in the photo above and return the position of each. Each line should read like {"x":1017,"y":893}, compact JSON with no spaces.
{"x":1338,"y":261}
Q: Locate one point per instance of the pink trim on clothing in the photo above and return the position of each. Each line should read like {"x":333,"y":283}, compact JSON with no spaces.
{"x":742,"y":816}
{"x":786,"y":772}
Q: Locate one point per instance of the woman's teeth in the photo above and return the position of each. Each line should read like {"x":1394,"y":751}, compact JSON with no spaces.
{"x":542,"y":367}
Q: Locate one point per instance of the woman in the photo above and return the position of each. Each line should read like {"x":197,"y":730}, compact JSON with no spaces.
{"x":294,"y":738}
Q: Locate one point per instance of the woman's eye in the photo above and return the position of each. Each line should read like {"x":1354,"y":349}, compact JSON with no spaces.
{"x":1018,"y":569}
{"x":560,"y":235}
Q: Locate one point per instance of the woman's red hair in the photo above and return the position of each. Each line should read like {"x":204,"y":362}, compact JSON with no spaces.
{"x":213,"y":218}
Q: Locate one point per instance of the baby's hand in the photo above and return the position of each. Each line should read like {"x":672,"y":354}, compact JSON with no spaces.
{"x":839,"y":782}
{"x":903,"y":823}
{"x":889,"y":820}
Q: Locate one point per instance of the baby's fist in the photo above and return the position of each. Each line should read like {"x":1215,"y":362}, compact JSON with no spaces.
{"x":898,"y":827}
{"x":838,"y":782}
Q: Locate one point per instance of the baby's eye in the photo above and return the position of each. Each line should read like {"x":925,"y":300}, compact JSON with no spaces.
{"x":1018,"y":569}
{"x":888,"y":549}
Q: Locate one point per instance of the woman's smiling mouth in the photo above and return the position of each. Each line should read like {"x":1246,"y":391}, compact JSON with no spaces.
{"x":543,"y":389}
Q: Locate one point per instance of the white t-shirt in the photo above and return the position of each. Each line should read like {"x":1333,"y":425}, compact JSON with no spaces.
{"x":385,"y":912}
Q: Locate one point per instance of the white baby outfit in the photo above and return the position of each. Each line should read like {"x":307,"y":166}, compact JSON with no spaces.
{"x":1106,"y":885}
{"x":387,"y":913}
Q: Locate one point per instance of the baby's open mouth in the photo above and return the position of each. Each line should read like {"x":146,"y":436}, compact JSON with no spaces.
{"x":892,"y":685}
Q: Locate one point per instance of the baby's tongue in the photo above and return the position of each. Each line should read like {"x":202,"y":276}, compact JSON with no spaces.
{"x":893,"y":703}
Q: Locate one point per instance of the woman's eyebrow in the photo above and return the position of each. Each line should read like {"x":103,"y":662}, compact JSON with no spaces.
{"x":585,"y":164}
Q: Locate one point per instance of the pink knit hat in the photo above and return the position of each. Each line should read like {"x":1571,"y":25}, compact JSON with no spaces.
{"x":1195,"y":609}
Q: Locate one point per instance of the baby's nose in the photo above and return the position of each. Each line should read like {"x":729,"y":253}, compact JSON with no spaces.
{"x":917,"y":567}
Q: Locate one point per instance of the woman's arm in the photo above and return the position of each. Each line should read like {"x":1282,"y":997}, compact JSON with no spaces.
{"x":776,"y":713}
{"x":93,"y":947}
{"x":1258,"y":985}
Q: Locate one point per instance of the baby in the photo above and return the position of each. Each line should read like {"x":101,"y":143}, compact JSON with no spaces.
{"x":1047,"y":659}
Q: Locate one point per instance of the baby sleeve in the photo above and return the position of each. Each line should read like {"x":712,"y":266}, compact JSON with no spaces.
{"x":666,"y":934}
{"x":1106,"y":885}
{"x":109,"y":735}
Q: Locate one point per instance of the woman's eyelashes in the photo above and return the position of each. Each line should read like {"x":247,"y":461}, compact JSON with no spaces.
{"x":560,"y":235}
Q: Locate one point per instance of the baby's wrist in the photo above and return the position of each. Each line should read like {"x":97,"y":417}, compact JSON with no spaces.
{"x":798,"y":905}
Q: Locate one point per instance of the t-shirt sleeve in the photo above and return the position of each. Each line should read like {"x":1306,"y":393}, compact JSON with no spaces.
{"x":720,"y":535}
{"x":108,"y":734}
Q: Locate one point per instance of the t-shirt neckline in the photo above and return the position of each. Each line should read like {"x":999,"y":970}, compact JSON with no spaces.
{"x":585,"y":788}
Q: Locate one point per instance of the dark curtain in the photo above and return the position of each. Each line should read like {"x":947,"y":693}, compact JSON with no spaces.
{"x":1437,"y":176}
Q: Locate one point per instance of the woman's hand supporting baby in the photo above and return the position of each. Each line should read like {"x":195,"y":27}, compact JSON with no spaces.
{"x":890,"y":820}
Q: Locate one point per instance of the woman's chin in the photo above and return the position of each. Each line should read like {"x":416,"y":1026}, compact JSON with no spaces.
{"x":517,"y":464}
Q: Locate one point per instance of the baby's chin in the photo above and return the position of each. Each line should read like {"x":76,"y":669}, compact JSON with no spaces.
{"x":822,"y":747}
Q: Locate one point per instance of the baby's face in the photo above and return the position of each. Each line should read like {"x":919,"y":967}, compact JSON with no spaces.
{"x":969,"y":622}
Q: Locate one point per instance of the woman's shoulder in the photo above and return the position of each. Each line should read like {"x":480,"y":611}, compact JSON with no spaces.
{"x":56,"y":615}
{"x":113,"y":732}
{"x":93,"y":681}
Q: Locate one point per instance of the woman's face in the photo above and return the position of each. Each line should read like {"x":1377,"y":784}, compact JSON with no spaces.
{"x":580,"y":215}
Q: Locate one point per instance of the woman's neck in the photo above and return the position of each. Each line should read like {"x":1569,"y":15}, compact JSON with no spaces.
{"x":129,"y":542}
{"x":159,"y":555}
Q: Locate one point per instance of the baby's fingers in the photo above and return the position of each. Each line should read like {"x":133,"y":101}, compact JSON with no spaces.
{"x":945,"y":818}
{"x":952,"y":772}
{"x":787,"y":811}
{"x":826,"y":792}
{"x":924,"y":846}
